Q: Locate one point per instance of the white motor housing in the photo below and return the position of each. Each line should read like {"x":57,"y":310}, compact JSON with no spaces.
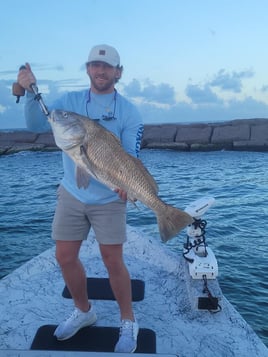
{"x":197,"y":208}
{"x":203,"y":266}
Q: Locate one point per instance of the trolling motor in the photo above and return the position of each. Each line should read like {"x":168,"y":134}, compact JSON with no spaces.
{"x":19,"y":91}
{"x":200,"y":257}
{"x":201,"y":260}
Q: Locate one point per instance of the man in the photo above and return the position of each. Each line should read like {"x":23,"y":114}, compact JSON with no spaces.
{"x":97,"y":206}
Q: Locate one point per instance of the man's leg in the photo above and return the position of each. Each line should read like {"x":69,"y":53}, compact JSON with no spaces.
{"x":71,"y":223}
{"x":67,"y":255}
{"x":75,"y":279}
{"x":112,"y":256}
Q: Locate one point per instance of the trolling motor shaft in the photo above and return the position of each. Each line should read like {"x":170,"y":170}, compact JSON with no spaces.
{"x":19,"y":91}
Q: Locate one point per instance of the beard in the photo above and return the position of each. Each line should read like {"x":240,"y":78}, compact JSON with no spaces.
{"x":102,"y":84}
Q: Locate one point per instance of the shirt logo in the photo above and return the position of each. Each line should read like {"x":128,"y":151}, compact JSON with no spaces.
{"x":138,"y":139}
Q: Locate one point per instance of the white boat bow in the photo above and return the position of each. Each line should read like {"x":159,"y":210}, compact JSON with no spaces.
{"x":31,"y":297}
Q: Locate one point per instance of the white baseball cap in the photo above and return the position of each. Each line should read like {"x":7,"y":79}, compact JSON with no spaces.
{"x":104,"y":53}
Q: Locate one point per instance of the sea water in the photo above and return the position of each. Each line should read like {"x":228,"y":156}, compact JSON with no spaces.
{"x":237,"y":224}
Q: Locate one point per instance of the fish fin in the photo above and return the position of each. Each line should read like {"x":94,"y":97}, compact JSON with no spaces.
{"x":171,"y":221}
{"x":87,"y":163}
{"x":82,"y":178}
{"x":83,"y":175}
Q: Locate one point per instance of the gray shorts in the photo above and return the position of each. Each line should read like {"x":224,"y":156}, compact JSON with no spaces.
{"x":73,"y":220}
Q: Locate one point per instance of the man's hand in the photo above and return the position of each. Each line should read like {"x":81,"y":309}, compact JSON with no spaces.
{"x":26,"y":77}
{"x":122,"y":194}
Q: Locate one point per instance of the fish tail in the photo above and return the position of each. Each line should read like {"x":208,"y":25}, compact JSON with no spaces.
{"x":171,"y":221}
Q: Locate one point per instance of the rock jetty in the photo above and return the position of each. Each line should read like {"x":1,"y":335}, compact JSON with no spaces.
{"x":239,"y":135}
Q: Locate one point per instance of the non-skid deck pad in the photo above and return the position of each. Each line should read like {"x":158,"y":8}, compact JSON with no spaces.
{"x":100,"y":289}
{"x":93,"y":338}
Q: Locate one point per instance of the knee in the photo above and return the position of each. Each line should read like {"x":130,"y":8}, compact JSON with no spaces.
{"x":112,"y":257}
{"x":67,"y":253}
{"x":108,"y":260}
{"x":65,"y":258}
{"x":112,"y":263}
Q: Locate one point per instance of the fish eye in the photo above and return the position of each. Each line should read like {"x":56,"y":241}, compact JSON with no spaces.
{"x":65,"y":115}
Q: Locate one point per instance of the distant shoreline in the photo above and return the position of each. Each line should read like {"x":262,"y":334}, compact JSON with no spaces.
{"x":236,"y":135}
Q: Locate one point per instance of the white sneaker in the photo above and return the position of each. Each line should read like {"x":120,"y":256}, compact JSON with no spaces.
{"x":74,"y":323}
{"x":127,"y":342}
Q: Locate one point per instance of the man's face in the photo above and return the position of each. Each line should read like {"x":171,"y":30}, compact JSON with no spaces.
{"x":102,"y":76}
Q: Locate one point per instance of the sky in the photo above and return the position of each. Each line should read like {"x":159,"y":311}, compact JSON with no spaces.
{"x":184,"y":61}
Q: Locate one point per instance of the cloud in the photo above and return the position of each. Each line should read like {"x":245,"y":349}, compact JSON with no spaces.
{"x":205,"y":112}
{"x":133,"y":89}
{"x":11,"y":114}
{"x":224,"y":81}
{"x":199,"y":95}
{"x":35,"y":67}
{"x":230,"y":81}
{"x":156,"y":102}
{"x":264,"y":88}
{"x":47,"y":67}
{"x":162,"y":93}
{"x":13,"y":73}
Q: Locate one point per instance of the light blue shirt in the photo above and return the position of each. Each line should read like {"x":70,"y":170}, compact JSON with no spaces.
{"x":126,"y":125}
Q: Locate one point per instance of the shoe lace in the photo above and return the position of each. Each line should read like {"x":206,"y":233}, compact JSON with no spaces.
{"x":126,"y":328}
{"x":74,"y":315}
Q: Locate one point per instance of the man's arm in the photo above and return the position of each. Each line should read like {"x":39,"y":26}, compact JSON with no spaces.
{"x":131,"y":135}
{"x":36,"y":121}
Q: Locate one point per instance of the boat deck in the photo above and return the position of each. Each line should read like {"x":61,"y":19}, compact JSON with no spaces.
{"x":32,"y":297}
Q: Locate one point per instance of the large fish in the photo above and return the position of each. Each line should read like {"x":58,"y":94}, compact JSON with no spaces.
{"x":98,"y":153}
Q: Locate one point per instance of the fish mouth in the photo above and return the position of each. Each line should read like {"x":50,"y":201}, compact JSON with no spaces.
{"x":52,"y":118}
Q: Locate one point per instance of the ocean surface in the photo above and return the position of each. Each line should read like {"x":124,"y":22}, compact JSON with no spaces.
{"x":237,"y":224}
